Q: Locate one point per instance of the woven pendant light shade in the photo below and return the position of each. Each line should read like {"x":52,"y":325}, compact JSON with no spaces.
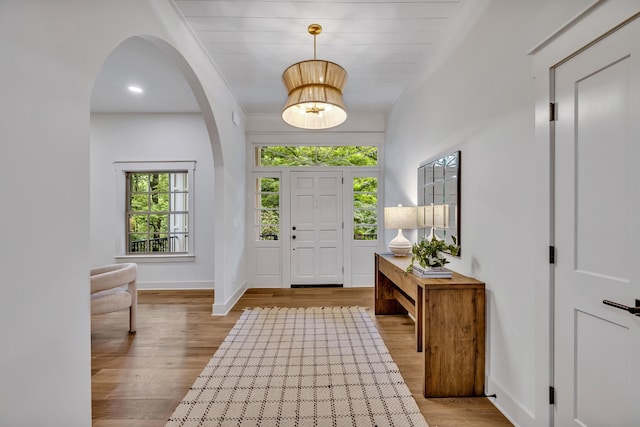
{"x":315,"y":92}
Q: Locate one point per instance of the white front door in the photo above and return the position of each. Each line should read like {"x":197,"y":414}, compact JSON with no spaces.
{"x":597,"y":234}
{"x":316,"y":228}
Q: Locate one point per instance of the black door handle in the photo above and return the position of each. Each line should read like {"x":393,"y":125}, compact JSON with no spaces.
{"x":633,"y":310}
{"x":293,"y":237}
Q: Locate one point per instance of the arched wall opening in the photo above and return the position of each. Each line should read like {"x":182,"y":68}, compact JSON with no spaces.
{"x":153,"y":132}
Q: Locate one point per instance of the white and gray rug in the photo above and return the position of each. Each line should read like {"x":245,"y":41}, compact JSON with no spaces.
{"x":324,"y":366}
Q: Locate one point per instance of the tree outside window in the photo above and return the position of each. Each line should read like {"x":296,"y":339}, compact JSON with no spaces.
{"x":295,"y":156}
{"x":267,"y":198}
{"x":157,"y":212}
{"x":365,"y":208}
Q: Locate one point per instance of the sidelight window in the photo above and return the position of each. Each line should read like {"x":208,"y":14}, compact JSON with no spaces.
{"x":267,"y":208}
{"x":365,"y":208}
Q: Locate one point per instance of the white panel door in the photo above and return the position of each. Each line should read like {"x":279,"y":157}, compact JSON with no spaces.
{"x":316,"y":228}
{"x":597,"y":234}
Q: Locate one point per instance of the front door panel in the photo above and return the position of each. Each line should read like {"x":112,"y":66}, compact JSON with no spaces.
{"x":316,"y":228}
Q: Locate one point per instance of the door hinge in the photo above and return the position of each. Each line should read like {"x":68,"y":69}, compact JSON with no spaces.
{"x":552,"y":395}
{"x":552,"y":254}
{"x":343,"y":179}
{"x":343,"y":225}
{"x":552,"y":111}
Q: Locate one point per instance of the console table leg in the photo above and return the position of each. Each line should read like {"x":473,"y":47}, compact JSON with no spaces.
{"x":419,"y":318}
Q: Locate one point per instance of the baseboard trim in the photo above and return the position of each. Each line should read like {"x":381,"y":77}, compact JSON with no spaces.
{"x":329,"y":285}
{"x":200,"y":284}
{"x":512,"y":410}
{"x":180,"y":291}
{"x":223,"y":308}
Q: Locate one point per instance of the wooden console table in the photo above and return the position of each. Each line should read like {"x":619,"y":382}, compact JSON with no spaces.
{"x":450,"y":324}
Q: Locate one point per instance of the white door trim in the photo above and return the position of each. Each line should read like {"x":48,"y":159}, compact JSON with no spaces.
{"x":552,"y":206}
{"x":572,"y":37}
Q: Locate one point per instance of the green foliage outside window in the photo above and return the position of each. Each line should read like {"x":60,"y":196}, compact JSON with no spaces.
{"x":365,"y":189}
{"x":149,"y":192}
{"x":286,"y":156}
{"x":268,"y":208}
{"x":154,"y":224}
{"x":365,"y":208}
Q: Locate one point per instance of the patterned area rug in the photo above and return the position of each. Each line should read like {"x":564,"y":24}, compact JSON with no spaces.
{"x":300,"y":367}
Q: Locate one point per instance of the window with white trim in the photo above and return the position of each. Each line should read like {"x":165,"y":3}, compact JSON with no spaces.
{"x":157,"y":212}
{"x":267,"y":207}
{"x":365,"y":208}
{"x":156,"y":201}
{"x":316,"y":155}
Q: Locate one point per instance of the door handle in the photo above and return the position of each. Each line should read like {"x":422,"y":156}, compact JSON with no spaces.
{"x":293,"y":237}
{"x":633,"y":310}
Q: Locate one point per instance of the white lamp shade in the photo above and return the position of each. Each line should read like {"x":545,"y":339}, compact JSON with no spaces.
{"x":403,"y":217}
{"x":425,"y":216}
{"x":441,"y":216}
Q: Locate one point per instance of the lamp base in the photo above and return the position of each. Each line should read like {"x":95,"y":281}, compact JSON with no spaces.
{"x":400,"y":245}
{"x":400,"y":250}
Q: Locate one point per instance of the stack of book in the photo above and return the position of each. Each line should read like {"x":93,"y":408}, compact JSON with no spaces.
{"x":431,"y":273}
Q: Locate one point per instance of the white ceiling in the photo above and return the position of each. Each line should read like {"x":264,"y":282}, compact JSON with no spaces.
{"x":383,"y":45}
{"x":138,"y":62}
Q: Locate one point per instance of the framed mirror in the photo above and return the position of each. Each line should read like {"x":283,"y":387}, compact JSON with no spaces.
{"x":439,"y":198}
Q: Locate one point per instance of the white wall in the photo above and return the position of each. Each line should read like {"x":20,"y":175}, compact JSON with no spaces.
{"x":478,"y":96}
{"x":51,"y":56}
{"x":152,"y":137}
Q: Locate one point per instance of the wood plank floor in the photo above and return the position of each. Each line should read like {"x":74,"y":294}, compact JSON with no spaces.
{"x":139,"y":379}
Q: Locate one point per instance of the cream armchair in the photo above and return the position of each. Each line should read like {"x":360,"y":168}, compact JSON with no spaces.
{"x":113,"y":288}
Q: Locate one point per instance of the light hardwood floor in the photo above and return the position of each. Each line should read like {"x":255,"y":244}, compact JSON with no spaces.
{"x":138,"y":379}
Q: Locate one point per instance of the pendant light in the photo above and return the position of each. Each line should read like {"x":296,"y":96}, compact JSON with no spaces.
{"x":315,"y":91}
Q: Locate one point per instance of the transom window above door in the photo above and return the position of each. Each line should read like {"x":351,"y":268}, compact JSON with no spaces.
{"x":300,"y":156}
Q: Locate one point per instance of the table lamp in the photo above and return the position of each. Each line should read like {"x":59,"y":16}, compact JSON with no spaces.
{"x":400,"y":217}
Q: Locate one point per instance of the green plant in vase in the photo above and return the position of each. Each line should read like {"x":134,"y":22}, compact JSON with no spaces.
{"x":430,"y":253}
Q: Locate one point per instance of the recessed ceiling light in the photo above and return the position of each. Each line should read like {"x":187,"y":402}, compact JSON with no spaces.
{"x":135,"y":89}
